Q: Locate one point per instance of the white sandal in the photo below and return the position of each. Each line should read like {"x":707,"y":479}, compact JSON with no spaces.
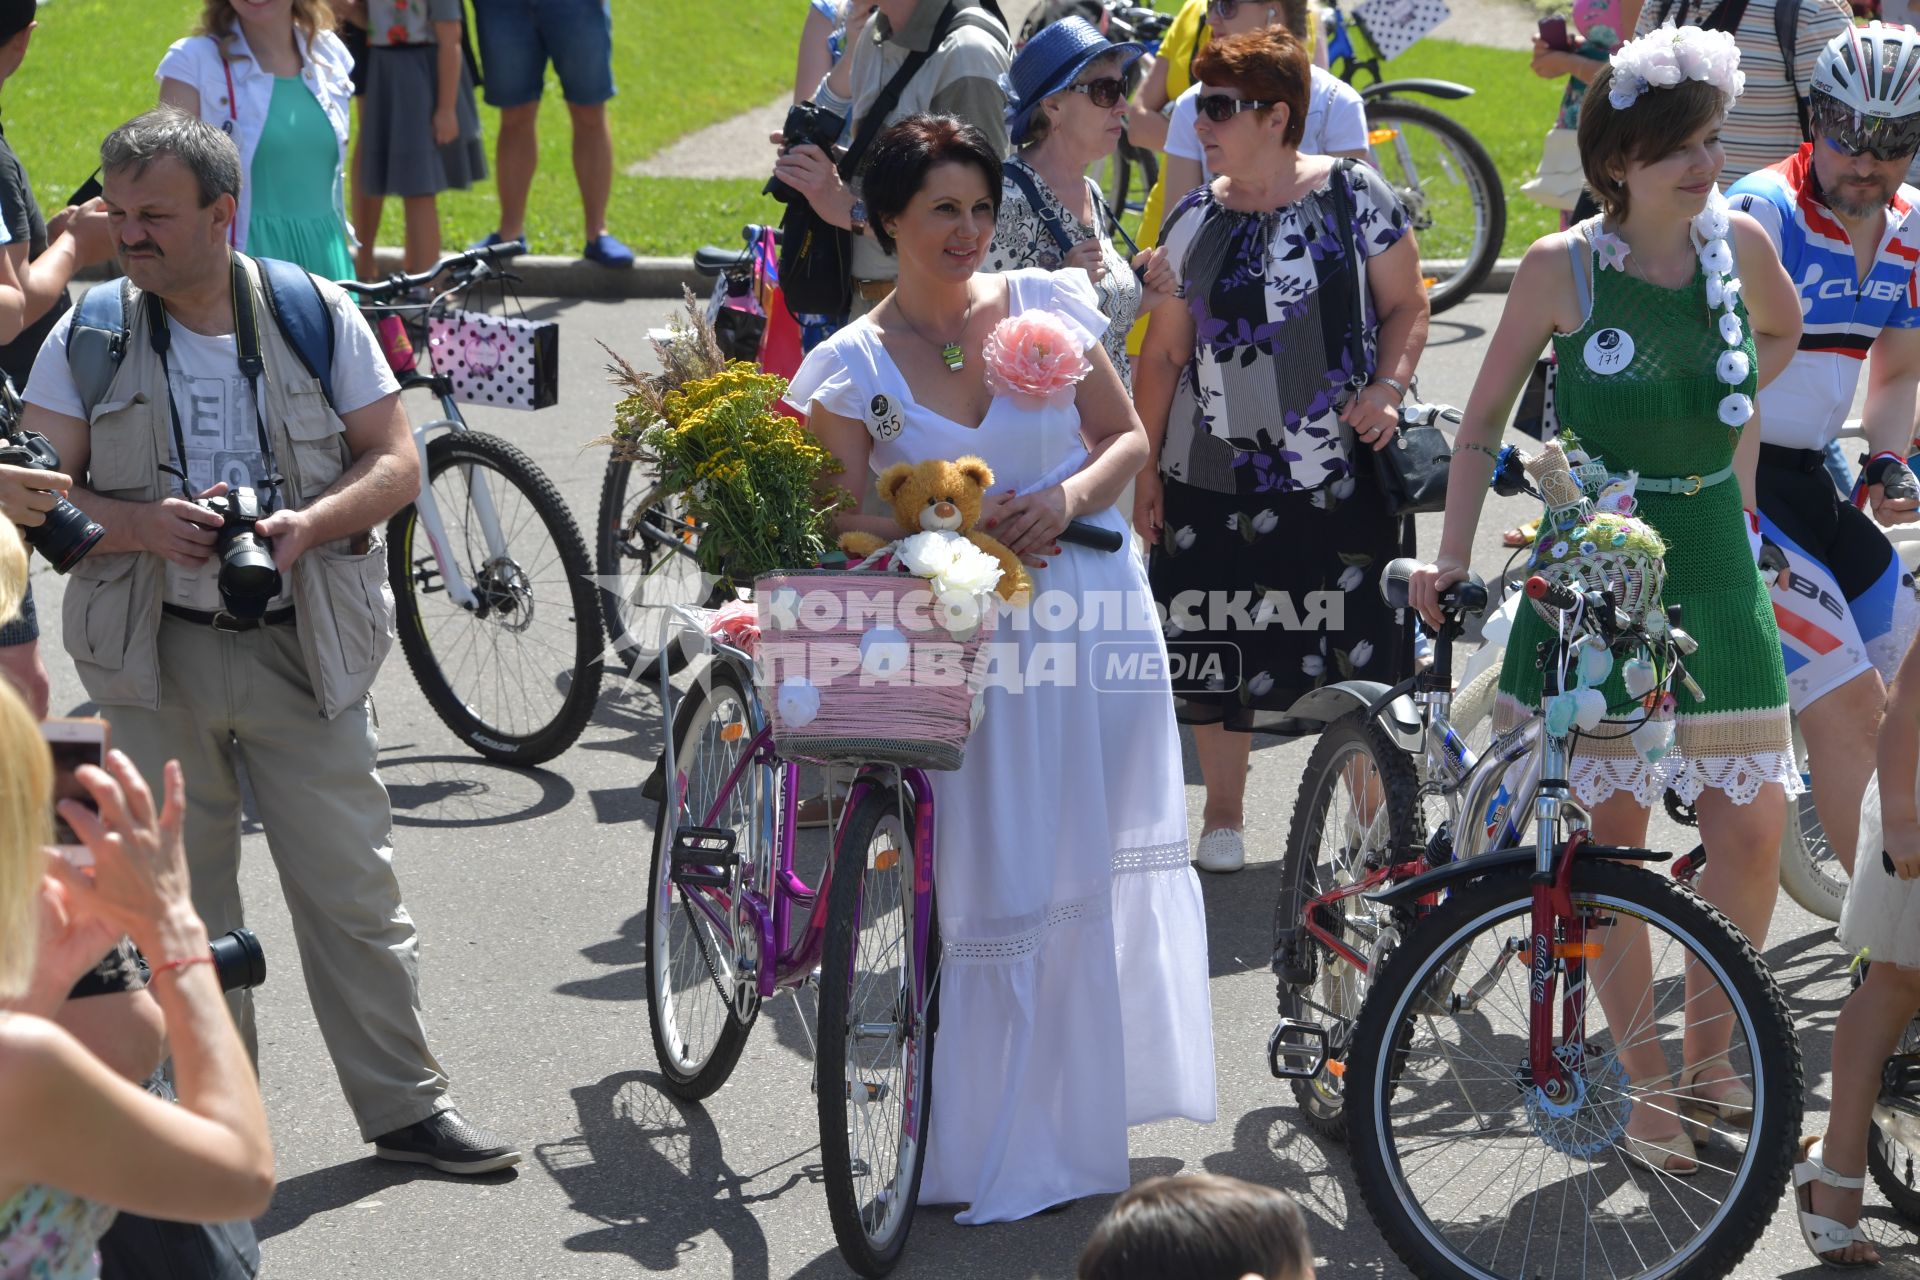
{"x":1221,"y":851}
{"x":1826,"y":1235}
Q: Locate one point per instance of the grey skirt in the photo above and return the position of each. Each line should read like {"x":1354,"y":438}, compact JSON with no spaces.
{"x":397,"y":153}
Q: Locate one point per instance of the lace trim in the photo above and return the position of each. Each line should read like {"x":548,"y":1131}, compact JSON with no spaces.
{"x":1158,"y":857}
{"x":1018,"y":946}
{"x":1738,"y":777}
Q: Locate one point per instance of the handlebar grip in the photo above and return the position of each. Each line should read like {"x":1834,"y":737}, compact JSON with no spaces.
{"x":500,"y":252}
{"x":1088,"y":534}
{"x":1550,"y":594}
{"x":1886,"y":860}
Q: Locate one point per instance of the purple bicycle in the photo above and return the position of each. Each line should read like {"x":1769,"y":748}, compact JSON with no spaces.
{"x":730,"y":923}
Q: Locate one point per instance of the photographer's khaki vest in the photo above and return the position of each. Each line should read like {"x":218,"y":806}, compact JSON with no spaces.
{"x":110,"y":621}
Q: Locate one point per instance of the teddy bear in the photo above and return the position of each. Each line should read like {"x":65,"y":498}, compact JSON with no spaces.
{"x":937,"y":496}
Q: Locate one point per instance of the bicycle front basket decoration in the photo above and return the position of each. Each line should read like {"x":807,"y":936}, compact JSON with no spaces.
{"x":504,"y":361}
{"x":862,"y":665}
{"x":1395,"y":25}
{"x":1590,"y":540}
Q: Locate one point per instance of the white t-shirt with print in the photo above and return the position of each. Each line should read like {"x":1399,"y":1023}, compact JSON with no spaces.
{"x":218,"y":418}
{"x":1336,"y":121}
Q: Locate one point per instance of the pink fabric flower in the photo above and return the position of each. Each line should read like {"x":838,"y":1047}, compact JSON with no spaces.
{"x":1033,"y":354}
{"x":737,"y":623}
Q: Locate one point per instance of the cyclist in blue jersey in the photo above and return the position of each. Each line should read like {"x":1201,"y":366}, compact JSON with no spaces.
{"x":1848,"y":231}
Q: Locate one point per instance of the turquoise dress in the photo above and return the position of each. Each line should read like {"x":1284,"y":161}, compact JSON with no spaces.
{"x":294,"y":169}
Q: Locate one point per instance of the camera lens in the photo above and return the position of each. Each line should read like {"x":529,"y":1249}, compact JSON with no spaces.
{"x":238,"y":960}
{"x":66,"y":536}
{"x":249,"y":580}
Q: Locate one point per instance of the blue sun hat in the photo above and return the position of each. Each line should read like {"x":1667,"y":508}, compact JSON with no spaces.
{"x":1050,"y":62}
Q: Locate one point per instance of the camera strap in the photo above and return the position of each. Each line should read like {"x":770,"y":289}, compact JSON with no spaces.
{"x":246,"y":340}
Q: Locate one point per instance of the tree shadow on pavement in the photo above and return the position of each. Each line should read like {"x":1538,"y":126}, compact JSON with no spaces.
{"x":650,"y":1169}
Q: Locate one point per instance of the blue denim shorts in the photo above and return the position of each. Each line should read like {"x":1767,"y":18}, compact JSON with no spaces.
{"x":24,"y":629}
{"x":519,"y":37}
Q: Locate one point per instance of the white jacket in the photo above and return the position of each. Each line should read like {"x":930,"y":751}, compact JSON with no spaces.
{"x":327,"y":69}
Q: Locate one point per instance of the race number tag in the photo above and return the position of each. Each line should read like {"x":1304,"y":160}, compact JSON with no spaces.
{"x":883,"y":418}
{"x":1609,"y":351}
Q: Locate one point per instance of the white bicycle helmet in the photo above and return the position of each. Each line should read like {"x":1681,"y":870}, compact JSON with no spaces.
{"x":1865,"y":91}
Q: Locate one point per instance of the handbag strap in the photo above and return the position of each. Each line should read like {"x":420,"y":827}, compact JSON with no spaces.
{"x":1343,"y":206}
{"x":876,"y":117}
{"x":1025,"y":179}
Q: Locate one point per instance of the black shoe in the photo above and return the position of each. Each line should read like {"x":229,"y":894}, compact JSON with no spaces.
{"x":447,"y":1143}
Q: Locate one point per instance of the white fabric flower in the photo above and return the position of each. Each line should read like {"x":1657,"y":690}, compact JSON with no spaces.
{"x":1266,"y":522}
{"x":1736,"y":409}
{"x":960,"y":613}
{"x":1362,"y":653}
{"x":1733,"y":367}
{"x":1183,"y":537}
{"x":930,"y":554}
{"x":1731,"y":331}
{"x":1712,"y":222}
{"x":884,"y":653}
{"x":1342,"y":488}
{"x":971,"y":572}
{"x":1261,"y":684}
{"x":1314,"y":665}
{"x":1663,"y":58}
{"x":1351,"y":577}
{"x":1716,"y":258}
{"x":798,"y":702}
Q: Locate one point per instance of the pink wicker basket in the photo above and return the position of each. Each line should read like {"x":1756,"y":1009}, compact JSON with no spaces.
{"x":859,"y":665}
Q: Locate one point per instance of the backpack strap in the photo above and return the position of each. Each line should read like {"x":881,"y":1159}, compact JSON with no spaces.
{"x":293,"y":295}
{"x":97,"y":340}
{"x":1786,"y":33}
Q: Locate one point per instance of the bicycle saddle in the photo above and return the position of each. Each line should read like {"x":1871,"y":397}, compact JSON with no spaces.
{"x":711,"y":260}
{"x":1463,"y":599}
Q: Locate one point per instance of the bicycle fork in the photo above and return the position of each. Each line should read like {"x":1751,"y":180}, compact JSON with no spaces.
{"x":1556,"y":939}
{"x":458,"y":589}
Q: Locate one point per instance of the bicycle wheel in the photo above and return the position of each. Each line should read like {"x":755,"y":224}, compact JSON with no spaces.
{"x":1470,"y":1172}
{"x":1355,"y":811}
{"x":1450,"y":188}
{"x":697,"y":1022}
{"x":516,"y":675}
{"x":871,"y":1075}
{"x":644,"y":559}
{"x":1810,"y":871}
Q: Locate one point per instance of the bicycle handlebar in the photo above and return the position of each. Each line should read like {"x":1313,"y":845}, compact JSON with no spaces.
{"x":1088,"y":534}
{"x":397,"y":284}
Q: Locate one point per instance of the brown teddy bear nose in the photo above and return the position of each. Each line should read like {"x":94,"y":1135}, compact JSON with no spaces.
{"x":944,"y":509}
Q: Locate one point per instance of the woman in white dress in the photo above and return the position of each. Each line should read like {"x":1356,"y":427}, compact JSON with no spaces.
{"x":1073,"y":986}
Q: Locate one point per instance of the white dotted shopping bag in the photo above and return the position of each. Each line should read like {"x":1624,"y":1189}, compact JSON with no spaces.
{"x":1394,"y":25}
{"x":503,"y":361}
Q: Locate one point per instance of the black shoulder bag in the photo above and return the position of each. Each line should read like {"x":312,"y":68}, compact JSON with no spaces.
{"x":816,"y":257}
{"x":1411,"y":473}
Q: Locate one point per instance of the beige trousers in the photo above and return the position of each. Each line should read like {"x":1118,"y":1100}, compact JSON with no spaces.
{"x":328,"y":825}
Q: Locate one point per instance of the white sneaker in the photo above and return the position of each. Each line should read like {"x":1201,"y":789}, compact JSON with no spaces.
{"x":1220,"y":851}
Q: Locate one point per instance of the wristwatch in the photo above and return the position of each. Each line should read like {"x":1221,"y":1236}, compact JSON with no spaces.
{"x":1399,"y":387}
{"x":857,"y":216}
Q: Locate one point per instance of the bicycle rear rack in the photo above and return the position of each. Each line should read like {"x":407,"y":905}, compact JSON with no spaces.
{"x":702,"y":856}
{"x":1297,"y":1050}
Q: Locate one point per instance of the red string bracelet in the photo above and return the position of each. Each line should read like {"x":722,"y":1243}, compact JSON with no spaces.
{"x":181,"y":963}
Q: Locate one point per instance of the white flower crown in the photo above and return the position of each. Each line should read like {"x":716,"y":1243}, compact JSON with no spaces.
{"x":1665,"y":57}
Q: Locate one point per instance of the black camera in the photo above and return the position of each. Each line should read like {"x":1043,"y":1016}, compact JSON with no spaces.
{"x":238,"y":960}
{"x":68,"y":533}
{"x":249,"y":579}
{"x":806,"y":122}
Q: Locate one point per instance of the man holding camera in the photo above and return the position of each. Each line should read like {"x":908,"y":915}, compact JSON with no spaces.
{"x":959,"y":51}
{"x":202,"y":630}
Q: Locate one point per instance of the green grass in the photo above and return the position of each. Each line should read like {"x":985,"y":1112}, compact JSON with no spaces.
{"x":677,"y":67}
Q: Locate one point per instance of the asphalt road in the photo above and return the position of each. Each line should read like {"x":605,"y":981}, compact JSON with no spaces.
{"x":528,"y":888}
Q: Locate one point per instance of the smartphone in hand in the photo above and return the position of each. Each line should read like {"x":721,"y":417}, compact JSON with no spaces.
{"x":74,"y":742}
{"x":1553,"y":33}
{"x":88,"y":190}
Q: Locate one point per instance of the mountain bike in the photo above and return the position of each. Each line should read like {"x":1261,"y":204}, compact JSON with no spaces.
{"x":730,"y":923}
{"x":1444,"y":177}
{"x":491,"y":582}
{"x":1487,"y":1102}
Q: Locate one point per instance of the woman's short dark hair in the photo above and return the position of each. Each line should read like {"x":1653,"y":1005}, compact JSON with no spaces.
{"x":1657,"y":124}
{"x":1268,"y":65}
{"x":898,"y":162}
{"x":1199,"y":1226}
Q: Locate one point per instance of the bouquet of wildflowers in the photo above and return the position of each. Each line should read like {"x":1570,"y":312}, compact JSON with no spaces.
{"x":753,"y":477}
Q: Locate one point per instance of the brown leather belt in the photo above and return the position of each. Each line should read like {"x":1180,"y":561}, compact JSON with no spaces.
{"x":873,"y":290}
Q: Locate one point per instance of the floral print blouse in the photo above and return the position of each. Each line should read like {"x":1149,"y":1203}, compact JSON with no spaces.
{"x":50,"y":1235}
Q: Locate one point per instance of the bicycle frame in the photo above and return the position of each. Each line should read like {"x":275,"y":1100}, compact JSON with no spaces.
{"x":458,"y":589}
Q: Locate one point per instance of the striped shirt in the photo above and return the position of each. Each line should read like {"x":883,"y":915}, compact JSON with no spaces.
{"x":1763,"y":127}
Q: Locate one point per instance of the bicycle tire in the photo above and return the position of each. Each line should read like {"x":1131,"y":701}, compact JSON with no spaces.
{"x":1483,"y":193}
{"x":1473,"y":707}
{"x":871,"y":1252}
{"x":568,"y":664}
{"x":1432,"y":956}
{"x":1809,"y":871}
{"x":619,"y":552}
{"x":693,"y":1065}
{"x":1304,"y":874}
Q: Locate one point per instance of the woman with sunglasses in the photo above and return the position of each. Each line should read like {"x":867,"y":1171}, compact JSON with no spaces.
{"x":1266,"y":530}
{"x":1067,"y":96}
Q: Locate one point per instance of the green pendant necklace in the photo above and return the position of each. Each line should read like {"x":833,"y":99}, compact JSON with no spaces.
{"x":952,"y":354}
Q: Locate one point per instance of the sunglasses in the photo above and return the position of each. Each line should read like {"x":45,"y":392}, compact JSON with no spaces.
{"x":1226,"y":10}
{"x":1851,"y":134}
{"x":1105,"y":93}
{"x":1219,"y":108}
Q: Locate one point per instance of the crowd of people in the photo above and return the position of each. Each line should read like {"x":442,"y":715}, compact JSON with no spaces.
{"x":1241,"y":370}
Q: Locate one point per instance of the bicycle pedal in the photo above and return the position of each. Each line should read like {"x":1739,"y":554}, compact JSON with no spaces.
{"x":1297,"y":1050}
{"x":702,"y":856}
{"x":1900,"y":1082}
{"x":873,"y":1089}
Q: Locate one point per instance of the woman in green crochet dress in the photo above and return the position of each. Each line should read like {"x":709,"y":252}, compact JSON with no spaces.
{"x":1667,"y":313}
